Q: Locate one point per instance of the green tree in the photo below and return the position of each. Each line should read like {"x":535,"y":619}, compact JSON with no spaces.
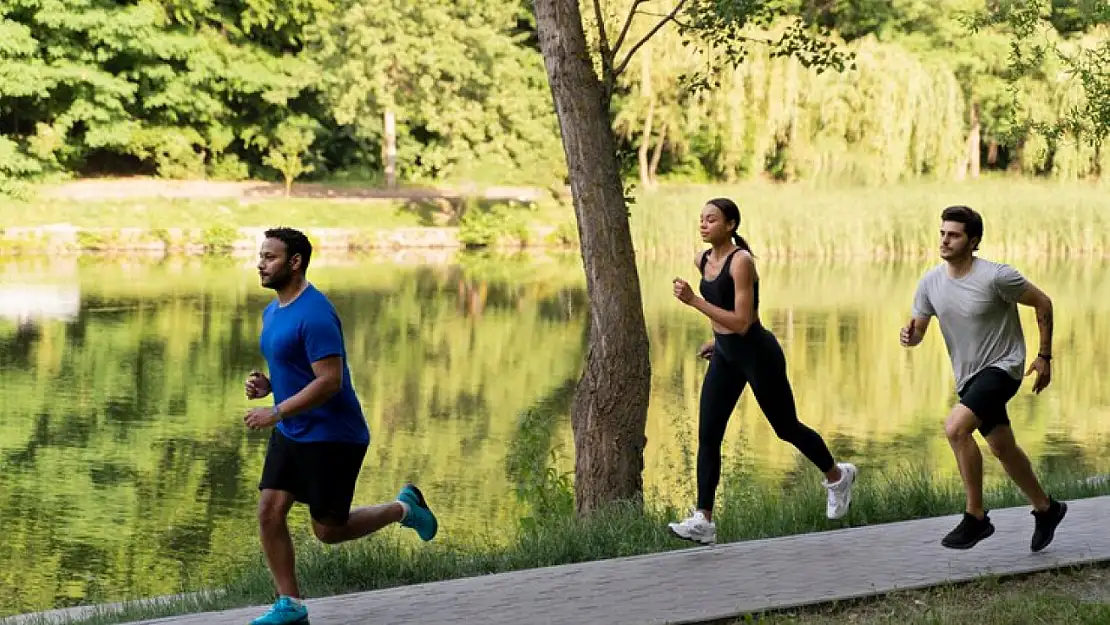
{"x":468,"y":95}
{"x":1039,"y":31}
{"x":173,"y":87}
{"x":286,"y":151}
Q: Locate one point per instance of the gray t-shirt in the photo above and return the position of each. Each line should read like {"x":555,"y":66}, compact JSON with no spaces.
{"x":978,"y":317}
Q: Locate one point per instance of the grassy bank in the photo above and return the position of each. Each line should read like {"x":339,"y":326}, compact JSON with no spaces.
{"x":748,"y":511}
{"x":1075,"y":596}
{"x":202,"y":213}
{"x":1024,"y":218}
{"x":214,"y":225}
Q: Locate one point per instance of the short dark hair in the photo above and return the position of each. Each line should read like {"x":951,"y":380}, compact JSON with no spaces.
{"x":295,"y":243}
{"x":972,"y":221}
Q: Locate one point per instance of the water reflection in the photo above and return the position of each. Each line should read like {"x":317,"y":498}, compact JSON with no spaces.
{"x":125,"y":470}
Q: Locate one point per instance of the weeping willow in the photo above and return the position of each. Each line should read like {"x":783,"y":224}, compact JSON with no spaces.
{"x":896,"y":116}
{"x":891,"y":118}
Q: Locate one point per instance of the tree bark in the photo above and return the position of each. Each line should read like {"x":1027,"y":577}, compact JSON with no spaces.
{"x":657,"y":155}
{"x":992,"y":153}
{"x":609,"y":410}
{"x":645,"y":147}
{"x":973,"y":142}
{"x":649,"y":119}
{"x":969,"y":164}
{"x":389,"y":149}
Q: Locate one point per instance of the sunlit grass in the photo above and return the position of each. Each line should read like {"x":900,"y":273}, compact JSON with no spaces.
{"x":1022,"y":218}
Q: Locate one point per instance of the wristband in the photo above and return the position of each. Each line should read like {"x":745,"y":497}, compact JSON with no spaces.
{"x":1047,"y":357}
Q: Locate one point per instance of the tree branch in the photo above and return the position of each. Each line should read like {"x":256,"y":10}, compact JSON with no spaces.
{"x":606,"y":54}
{"x":673,"y":19}
{"x":627,"y":25}
{"x":608,"y":76}
{"x":651,"y":33}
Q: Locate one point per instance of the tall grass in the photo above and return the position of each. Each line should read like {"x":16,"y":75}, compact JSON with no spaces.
{"x":748,"y":510}
{"x":1022,"y":219}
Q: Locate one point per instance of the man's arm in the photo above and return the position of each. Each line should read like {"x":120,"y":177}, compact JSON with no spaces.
{"x":921,"y":314}
{"x":914,"y":332}
{"x":328,"y":382}
{"x":1036,"y":298}
{"x":323,"y":344}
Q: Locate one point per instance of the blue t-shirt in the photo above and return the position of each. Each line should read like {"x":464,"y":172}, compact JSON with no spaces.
{"x":295,"y":336}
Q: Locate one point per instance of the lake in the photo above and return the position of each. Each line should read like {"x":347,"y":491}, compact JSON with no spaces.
{"x":125,"y":469}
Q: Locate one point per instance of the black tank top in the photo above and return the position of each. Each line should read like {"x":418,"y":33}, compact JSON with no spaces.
{"x":721,"y":291}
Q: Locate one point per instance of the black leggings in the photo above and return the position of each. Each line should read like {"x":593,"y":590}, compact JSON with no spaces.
{"x":754,"y":358}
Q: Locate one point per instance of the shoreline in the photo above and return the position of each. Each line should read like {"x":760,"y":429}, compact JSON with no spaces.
{"x":66,"y":238}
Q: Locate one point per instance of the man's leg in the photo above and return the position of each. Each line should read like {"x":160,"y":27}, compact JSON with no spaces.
{"x":960,"y":429}
{"x":360,"y":522}
{"x":1017,"y":465}
{"x":278,"y":486}
{"x":1047,"y":512}
{"x":332,"y":470}
{"x":975,"y":525}
{"x":277,"y":544}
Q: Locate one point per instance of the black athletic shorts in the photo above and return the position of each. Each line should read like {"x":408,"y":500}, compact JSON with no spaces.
{"x":321,"y":475}
{"x":986,"y":394}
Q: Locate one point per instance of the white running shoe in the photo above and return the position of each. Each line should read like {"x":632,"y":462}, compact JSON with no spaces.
{"x":840,"y":492}
{"x":696,"y":528}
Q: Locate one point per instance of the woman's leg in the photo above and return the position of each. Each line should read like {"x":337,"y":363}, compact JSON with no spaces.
{"x":764,"y":365}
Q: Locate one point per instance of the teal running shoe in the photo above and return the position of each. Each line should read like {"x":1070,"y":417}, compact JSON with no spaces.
{"x":420,"y":516}
{"x":283,"y":612}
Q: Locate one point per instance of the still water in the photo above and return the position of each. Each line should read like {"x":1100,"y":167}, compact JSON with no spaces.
{"x":125,"y":469}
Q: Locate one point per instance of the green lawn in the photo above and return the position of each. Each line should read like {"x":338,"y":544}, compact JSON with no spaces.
{"x":1079,"y":596}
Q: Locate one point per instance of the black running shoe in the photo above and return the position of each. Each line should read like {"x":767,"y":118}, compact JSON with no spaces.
{"x":969,"y":532}
{"x":1046,"y":522}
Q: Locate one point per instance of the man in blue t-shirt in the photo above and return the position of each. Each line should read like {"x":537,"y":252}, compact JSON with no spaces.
{"x":320,"y":436}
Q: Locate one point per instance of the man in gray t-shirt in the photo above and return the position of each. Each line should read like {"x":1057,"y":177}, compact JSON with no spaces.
{"x":978,"y":318}
{"x":975,"y":301}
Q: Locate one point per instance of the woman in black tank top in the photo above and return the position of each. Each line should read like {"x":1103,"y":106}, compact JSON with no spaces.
{"x":743,"y":352}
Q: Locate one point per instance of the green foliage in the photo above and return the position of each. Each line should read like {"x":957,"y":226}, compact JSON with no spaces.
{"x":471,"y":102}
{"x":533,"y":465}
{"x":171,"y":85}
{"x":219,"y":238}
{"x":731,"y":28}
{"x":196,"y":89}
{"x":1037,"y":41}
{"x":485,"y":224}
{"x":286,"y":152}
{"x":15,"y":165}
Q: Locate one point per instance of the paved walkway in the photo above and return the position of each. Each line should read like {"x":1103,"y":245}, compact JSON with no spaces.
{"x":704,"y":584}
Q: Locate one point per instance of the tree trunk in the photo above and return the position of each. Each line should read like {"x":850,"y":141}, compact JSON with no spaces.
{"x":389,"y":147}
{"x":973,"y":142}
{"x":657,"y":155}
{"x":609,"y":411}
{"x":645,"y":146}
{"x":969,"y":164}
{"x":649,"y":119}
{"x":992,"y":153}
{"x":1015,"y":157}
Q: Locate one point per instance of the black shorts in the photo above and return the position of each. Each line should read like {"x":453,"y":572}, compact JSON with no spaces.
{"x":986,"y":395}
{"x":321,"y":475}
